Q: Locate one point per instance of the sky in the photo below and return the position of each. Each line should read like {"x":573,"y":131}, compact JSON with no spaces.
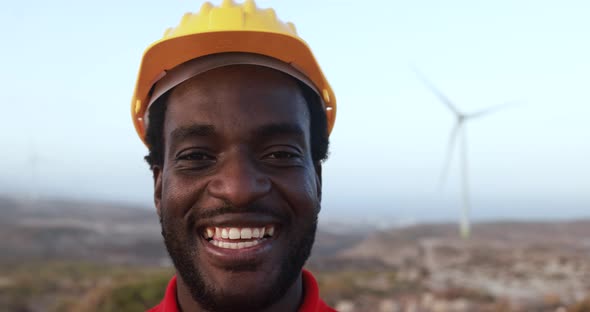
{"x":69,"y":68}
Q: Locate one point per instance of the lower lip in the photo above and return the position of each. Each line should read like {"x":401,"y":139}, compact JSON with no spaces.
{"x":228,"y":256}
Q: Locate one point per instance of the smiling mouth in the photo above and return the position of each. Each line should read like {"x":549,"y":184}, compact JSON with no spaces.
{"x":238,"y":237}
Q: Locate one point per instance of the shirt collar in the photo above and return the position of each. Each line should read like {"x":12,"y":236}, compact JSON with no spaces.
{"x":311,"y":296}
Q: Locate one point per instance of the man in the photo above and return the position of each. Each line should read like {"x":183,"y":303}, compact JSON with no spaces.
{"x":236,"y":114}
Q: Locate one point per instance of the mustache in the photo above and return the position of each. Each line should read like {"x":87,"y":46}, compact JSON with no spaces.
{"x":228,"y":208}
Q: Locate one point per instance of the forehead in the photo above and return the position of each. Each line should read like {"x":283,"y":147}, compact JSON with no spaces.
{"x":237,"y":100}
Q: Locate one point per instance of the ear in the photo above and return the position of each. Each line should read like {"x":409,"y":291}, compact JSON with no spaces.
{"x":157,"y":171}
{"x":318,"y":179}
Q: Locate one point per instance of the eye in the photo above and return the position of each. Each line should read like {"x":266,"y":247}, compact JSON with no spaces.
{"x":282,"y":155}
{"x":195,"y":156}
{"x":283,"y":158}
{"x":192,"y":160}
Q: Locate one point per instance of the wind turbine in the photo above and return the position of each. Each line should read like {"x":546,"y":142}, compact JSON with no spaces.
{"x":33,"y":163}
{"x":459,"y":129}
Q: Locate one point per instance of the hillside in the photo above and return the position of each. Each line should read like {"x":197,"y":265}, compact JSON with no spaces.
{"x":60,"y":255}
{"x":527,"y":264}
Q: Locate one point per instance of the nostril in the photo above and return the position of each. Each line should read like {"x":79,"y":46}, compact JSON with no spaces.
{"x":239,"y":189}
{"x":239,"y":179}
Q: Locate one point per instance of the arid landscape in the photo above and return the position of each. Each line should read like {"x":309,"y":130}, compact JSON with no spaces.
{"x":58,"y":255}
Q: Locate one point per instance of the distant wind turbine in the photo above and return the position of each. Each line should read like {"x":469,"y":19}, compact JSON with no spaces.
{"x":459,"y":128}
{"x":33,"y":163}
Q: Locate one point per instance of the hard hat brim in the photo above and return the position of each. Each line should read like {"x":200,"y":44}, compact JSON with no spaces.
{"x":171,"y":52}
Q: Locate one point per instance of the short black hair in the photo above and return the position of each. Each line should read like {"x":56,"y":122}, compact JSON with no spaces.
{"x":318,"y":127}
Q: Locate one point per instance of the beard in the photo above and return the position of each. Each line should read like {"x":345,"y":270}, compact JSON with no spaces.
{"x":180,"y":241}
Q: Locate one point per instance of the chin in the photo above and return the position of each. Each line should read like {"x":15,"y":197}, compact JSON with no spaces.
{"x":248,"y":290}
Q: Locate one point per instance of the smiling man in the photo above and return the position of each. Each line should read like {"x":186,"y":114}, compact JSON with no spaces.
{"x":236,"y":114}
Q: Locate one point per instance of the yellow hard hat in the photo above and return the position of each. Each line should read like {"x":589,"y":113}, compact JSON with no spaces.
{"x":229,"y":27}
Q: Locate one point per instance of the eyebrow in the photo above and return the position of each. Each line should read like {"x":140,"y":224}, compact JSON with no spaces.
{"x":191,"y":131}
{"x":279,"y":129}
{"x":264,"y":132}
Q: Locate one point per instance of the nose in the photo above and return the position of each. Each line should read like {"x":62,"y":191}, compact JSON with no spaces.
{"x":239,"y":181}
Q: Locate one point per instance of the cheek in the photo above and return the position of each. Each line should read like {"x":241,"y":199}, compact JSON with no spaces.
{"x":301,"y":192}
{"x":179,"y":194}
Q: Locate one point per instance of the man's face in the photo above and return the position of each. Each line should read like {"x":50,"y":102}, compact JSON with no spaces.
{"x":238,"y":194}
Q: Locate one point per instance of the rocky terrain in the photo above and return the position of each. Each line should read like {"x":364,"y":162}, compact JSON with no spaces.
{"x":507,"y":266}
{"x":58,"y":255}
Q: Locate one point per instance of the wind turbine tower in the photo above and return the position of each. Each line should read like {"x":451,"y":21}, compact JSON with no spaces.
{"x":459,"y":129}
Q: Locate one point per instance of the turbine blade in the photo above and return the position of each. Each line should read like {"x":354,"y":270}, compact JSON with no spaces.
{"x":449,"y":155}
{"x":441,"y":96}
{"x":465,"y":218}
{"x":490,"y":110}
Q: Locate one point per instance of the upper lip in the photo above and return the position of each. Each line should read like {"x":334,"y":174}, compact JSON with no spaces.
{"x":239,"y":220}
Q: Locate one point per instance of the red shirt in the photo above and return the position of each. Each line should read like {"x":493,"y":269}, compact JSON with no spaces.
{"x":311,"y":297}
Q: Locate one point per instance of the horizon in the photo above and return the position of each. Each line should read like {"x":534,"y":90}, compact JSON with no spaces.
{"x":376,"y":220}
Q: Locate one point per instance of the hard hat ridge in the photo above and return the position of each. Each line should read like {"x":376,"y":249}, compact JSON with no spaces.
{"x":230,"y":27}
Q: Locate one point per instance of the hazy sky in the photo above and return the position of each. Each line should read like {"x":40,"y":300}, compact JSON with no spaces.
{"x":69,"y":67}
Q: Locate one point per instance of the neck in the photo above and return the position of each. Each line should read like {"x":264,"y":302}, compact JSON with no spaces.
{"x":289,"y":302}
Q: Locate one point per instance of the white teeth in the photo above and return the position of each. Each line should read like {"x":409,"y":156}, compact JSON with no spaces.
{"x":240,"y":245}
{"x":234,"y":233}
{"x":246,"y":233}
